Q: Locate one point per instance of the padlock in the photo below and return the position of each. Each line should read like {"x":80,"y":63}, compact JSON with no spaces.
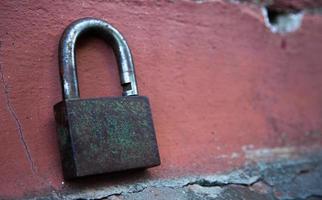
{"x":108,"y":134}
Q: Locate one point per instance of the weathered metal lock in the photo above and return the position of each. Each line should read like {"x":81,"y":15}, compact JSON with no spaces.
{"x":102,"y":135}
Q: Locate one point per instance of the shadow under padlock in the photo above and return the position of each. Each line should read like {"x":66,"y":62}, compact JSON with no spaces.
{"x":107,"y":134}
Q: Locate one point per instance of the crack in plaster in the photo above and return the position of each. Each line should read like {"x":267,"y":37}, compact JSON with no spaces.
{"x":314,"y":197}
{"x":284,"y":23}
{"x":281,"y":177}
{"x":238,"y":177}
{"x":16,"y":120}
{"x":121,"y":193}
{"x":234,"y":179}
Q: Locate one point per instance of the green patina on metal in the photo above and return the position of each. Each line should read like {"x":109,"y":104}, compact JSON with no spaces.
{"x":104,"y":134}
{"x":108,"y":134}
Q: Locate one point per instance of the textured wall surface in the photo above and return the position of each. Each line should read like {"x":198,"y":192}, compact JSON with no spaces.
{"x":220,"y":83}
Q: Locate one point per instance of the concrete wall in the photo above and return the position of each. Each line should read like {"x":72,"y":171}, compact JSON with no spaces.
{"x":222,"y":81}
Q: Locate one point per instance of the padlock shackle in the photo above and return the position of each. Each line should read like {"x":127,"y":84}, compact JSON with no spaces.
{"x":67,"y":59}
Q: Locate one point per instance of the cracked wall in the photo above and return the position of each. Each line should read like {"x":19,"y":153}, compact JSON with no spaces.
{"x":225,"y":91}
{"x":292,"y":175}
{"x":15,"y":118}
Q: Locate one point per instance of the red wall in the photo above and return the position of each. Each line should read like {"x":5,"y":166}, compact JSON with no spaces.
{"x":218,"y":81}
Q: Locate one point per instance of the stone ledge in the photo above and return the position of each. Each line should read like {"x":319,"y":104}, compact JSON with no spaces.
{"x":288,"y":177}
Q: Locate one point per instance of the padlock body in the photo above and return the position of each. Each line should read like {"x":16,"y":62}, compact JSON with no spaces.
{"x":105,"y":135}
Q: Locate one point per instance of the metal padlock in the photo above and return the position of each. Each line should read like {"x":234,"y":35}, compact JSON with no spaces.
{"x":102,"y":135}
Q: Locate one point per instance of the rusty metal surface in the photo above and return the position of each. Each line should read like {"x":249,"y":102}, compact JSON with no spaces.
{"x":106,"y":135}
{"x":112,"y":36}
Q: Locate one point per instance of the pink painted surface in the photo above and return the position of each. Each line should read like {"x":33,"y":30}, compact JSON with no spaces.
{"x":217,"y":79}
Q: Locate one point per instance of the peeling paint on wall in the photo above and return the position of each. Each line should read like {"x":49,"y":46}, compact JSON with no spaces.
{"x":283,"y":22}
{"x":284,"y":178}
{"x":217,"y":78}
